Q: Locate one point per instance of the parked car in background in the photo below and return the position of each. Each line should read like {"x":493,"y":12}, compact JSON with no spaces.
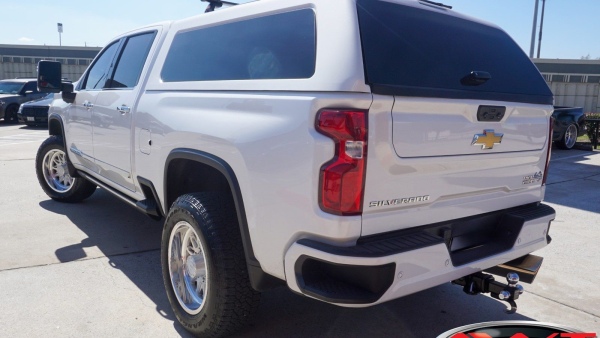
{"x":35,"y":113}
{"x":13,"y":93}
{"x":569,"y":123}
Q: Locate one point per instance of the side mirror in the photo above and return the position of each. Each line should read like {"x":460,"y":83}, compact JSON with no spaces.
{"x":49,"y":77}
{"x":68,"y":94}
{"x":49,"y":80}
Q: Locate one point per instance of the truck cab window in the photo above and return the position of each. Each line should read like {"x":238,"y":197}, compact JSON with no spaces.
{"x":30,"y":86}
{"x":132,"y":59}
{"x":97,"y":75}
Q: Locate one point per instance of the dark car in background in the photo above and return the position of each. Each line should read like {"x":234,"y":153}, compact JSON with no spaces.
{"x":13,"y":93}
{"x":569,"y":123}
{"x":35,"y":113}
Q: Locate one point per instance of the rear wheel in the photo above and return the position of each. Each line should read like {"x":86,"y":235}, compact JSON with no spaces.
{"x":569,"y":138}
{"x":204,"y":267}
{"x":51,"y":166}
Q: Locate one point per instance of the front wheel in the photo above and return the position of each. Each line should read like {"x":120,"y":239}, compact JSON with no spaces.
{"x":51,"y":166}
{"x":204,"y":268}
{"x":569,"y":138}
{"x":10,"y":114}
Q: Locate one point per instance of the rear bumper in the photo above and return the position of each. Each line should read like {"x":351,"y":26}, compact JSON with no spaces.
{"x":384,"y":267}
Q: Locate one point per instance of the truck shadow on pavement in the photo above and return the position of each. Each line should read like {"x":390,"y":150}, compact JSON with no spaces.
{"x":128,"y":238}
{"x":424,"y":314}
{"x":131,"y":241}
{"x":574,"y":179}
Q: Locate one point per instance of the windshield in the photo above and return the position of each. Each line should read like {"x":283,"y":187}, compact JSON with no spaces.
{"x":10,"y":87}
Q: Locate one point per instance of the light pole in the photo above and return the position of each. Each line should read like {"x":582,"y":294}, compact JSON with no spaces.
{"x":533,"y":30}
{"x":541,"y":28}
{"x":60,"y":30}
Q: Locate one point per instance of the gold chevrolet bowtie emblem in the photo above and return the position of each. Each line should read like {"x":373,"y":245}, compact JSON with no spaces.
{"x":487,"y":139}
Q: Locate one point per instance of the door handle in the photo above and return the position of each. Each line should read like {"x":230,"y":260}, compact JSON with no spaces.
{"x":123,"y":109}
{"x":88,"y":105}
{"x":475,"y":78}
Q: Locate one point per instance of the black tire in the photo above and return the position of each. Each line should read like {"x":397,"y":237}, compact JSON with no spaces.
{"x":10,"y":114}
{"x":227,"y":301}
{"x":569,"y":138}
{"x":51,"y":169}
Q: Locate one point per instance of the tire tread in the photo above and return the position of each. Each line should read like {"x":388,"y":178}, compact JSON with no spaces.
{"x":237,"y":300}
{"x":81,"y":189}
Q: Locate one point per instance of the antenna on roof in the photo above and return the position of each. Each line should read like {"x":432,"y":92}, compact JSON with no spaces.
{"x":433,"y":3}
{"x":214,"y":4}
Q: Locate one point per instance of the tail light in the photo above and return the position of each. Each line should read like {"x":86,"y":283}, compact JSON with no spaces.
{"x":549,"y":150}
{"x":342,"y":179}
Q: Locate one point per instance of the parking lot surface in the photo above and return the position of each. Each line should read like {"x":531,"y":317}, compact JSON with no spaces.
{"x":93,"y":269}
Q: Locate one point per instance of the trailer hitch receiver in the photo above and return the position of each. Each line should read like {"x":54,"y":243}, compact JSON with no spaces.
{"x":483,"y":283}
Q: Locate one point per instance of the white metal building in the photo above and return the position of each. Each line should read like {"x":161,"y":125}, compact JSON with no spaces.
{"x":575,"y":83}
{"x":21,"y":60}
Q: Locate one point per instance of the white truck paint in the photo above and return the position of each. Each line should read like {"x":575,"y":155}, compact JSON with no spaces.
{"x":422,"y":167}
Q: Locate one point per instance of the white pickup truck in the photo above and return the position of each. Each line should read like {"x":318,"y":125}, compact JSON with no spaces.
{"x":356,"y":151}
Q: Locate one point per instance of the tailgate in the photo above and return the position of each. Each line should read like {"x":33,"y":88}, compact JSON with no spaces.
{"x":448,"y":128}
{"x":422,"y":167}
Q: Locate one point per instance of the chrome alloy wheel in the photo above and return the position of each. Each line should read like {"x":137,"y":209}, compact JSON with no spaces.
{"x":570,"y":136}
{"x":187,"y":268}
{"x":55,"y":171}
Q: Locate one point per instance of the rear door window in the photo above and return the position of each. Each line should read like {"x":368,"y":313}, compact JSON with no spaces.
{"x":416,"y":50}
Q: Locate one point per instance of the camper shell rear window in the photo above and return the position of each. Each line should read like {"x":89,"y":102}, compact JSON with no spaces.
{"x":422,"y":50}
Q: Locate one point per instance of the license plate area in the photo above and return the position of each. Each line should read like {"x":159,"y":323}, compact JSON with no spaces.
{"x":30,"y":119}
{"x":473,"y":239}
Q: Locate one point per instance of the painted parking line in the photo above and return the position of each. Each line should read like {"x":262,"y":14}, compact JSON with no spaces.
{"x":34,"y":136}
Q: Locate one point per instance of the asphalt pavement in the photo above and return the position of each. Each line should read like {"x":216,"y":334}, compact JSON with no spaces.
{"x":92,"y":269}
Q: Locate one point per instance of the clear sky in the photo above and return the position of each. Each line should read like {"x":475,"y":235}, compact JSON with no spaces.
{"x":571,"y":27}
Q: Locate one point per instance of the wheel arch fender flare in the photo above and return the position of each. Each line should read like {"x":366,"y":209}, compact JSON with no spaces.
{"x":225,"y":169}
{"x":56,"y":127}
{"x":13,"y":104}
